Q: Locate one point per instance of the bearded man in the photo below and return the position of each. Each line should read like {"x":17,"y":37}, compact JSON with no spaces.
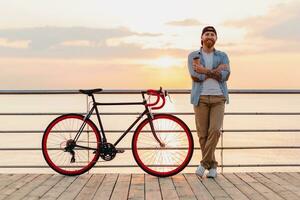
{"x":209,"y":69}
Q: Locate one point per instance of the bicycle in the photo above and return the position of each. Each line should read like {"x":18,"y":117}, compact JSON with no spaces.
{"x":162,"y":144}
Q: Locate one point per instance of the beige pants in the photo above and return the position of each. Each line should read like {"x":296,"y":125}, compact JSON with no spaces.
{"x":209,"y":116}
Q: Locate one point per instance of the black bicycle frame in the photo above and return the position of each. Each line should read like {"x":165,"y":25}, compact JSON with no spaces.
{"x":95,"y":107}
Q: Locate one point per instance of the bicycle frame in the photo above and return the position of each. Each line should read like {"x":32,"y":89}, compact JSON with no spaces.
{"x":102,"y":132}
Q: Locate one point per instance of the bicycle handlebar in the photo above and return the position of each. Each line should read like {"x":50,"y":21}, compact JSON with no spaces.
{"x":160,"y":94}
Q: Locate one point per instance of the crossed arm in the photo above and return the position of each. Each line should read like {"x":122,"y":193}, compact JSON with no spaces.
{"x":215,"y":73}
{"x":199,"y":73}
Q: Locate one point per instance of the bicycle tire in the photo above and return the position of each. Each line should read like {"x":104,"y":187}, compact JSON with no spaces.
{"x":163,"y":162}
{"x":53,"y":144}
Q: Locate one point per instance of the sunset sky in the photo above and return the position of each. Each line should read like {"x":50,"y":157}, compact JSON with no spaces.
{"x":132,"y":44}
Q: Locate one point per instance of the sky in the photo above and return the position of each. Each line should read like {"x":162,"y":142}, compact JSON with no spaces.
{"x":137,"y":44}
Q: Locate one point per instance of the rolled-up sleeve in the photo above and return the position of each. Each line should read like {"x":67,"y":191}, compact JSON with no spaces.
{"x":201,"y":77}
{"x":225,"y":73}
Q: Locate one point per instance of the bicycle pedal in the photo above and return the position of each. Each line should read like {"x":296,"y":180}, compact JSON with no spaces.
{"x":120,"y":150}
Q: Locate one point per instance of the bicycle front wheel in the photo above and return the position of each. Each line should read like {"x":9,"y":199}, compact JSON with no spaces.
{"x":57,"y":139}
{"x":167,"y":159}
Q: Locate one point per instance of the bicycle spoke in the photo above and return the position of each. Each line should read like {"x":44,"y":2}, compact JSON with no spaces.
{"x":60,"y":136}
{"x":166,"y":160}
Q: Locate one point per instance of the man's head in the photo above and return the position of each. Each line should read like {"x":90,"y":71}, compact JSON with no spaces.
{"x":209,"y":36}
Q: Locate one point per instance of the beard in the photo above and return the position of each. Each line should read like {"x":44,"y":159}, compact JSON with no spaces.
{"x":209,"y":43}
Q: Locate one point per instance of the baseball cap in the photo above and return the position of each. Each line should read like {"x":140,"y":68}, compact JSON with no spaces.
{"x":209,"y":28}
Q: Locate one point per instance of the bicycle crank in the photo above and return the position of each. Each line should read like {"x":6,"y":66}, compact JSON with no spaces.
{"x":108,"y":151}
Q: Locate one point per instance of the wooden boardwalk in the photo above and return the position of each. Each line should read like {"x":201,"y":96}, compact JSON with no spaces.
{"x":140,"y":186}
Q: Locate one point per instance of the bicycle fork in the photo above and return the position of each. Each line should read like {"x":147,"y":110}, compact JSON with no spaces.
{"x":161,"y":144}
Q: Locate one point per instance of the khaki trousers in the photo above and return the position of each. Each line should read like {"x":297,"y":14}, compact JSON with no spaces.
{"x":209,"y":115}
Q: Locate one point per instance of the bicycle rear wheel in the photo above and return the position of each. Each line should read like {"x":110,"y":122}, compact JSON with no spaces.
{"x":176,"y":153}
{"x":58,"y":135}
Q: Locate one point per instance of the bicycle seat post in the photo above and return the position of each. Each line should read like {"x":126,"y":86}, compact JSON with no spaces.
{"x":98,"y":117}
{"x":94,"y":101}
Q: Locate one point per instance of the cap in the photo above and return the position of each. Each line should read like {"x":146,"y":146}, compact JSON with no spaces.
{"x":209,"y":28}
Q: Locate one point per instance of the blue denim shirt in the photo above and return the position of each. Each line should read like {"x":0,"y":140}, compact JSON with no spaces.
{"x":219,"y":57}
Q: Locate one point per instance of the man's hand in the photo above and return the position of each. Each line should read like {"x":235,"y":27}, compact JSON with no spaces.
{"x":200,"y":69}
{"x":221,"y":67}
{"x":195,"y":79}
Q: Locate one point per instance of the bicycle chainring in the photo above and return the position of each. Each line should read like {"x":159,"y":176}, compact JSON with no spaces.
{"x":107,"y":151}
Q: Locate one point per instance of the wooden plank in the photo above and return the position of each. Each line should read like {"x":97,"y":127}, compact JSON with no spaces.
{"x":91,"y":187}
{"x":295,"y":175}
{"x":182,"y":187}
{"x":152,"y":189}
{"x":229,"y":188}
{"x":197,"y":187}
{"x":3,"y":180}
{"x":23,"y":191}
{"x":137,"y":187}
{"x":243,"y":187}
{"x":72,"y":191}
{"x":59,"y":188}
{"x":105,"y":190}
{"x":265,"y":191}
{"x":278,"y":189}
{"x":122,"y":187}
{"x":289,"y":178}
{"x":16,"y":185}
{"x":167,"y":188}
{"x":4,"y":176}
{"x":215,"y":190}
{"x":39,"y":191}
{"x":282,"y":183}
{"x":9,"y":178}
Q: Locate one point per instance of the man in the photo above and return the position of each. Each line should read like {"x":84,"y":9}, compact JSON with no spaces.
{"x":209,"y":70}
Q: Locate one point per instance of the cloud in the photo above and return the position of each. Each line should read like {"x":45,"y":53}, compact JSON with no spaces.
{"x":270,"y":32}
{"x":76,"y":42}
{"x":19,"y":44}
{"x":287,"y":30}
{"x":185,"y":22}
{"x":281,"y":22}
{"x":121,"y":51}
{"x":79,"y":43}
{"x":45,"y":37}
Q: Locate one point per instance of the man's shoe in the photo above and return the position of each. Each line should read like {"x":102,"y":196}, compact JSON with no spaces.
{"x":212,"y":173}
{"x":200,"y":170}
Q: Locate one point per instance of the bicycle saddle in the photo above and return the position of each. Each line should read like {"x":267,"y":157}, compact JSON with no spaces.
{"x":90,"y":92}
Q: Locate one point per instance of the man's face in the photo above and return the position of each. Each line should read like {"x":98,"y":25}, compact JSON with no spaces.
{"x":209,"y":39}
